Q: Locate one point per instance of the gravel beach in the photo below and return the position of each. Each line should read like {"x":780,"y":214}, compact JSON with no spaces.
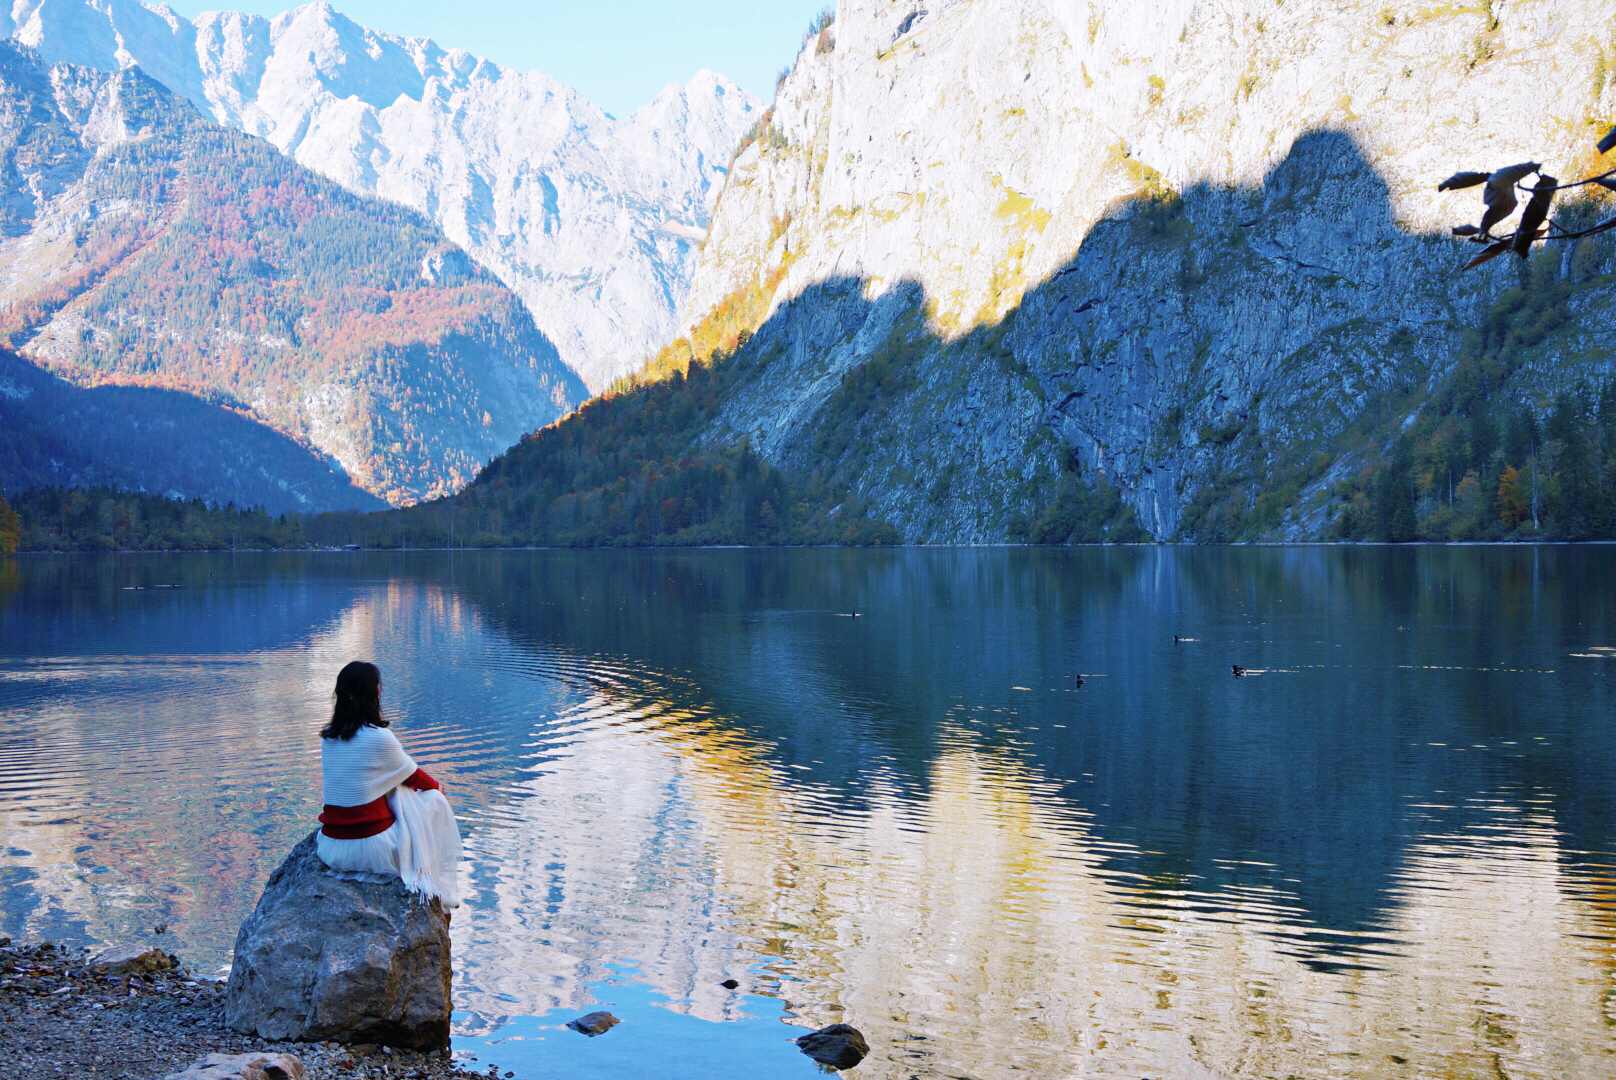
{"x":59,"y":1019}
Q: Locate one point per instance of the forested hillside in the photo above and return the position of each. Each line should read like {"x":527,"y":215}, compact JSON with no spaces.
{"x":139,"y":438}
{"x":99,"y":519}
{"x":146,"y":246}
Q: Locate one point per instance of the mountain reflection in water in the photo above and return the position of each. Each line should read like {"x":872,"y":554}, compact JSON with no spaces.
{"x":1388,"y":853}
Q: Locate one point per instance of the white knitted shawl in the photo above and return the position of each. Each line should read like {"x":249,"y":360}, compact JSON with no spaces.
{"x":364,"y":768}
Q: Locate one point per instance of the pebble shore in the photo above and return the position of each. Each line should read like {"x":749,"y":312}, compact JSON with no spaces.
{"x":59,"y":1019}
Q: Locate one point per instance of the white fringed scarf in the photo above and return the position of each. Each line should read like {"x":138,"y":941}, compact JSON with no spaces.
{"x":362,"y":769}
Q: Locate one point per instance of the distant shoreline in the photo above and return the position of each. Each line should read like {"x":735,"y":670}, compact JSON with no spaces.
{"x":832,"y":547}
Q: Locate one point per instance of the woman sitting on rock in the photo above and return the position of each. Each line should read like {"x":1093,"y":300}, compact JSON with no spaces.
{"x":382,"y":814}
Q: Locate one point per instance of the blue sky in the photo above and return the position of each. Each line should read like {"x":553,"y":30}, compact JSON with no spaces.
{"x":617,"y":53}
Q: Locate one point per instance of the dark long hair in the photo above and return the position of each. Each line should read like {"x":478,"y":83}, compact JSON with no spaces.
{"x":359,"y":701}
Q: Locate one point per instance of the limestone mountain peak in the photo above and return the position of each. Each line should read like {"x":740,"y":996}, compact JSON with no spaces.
{"x":562,"y":201}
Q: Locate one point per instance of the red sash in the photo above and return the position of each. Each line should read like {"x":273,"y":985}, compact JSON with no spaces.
{"x":358,"y":822}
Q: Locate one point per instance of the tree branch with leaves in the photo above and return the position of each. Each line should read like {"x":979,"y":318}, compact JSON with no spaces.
{"x":1500,"y":196}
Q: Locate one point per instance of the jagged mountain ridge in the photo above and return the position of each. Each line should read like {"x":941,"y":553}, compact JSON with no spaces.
{"x":1188,"y":251}
{"x":562,"y":201}
{"x":142,"y":244}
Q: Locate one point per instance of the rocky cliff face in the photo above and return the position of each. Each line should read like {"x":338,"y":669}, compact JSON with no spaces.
{"x":1195,"y":248}
{"x":566,"y":204}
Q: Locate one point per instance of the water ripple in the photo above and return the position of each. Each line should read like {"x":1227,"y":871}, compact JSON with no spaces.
{"x":685,"y":767}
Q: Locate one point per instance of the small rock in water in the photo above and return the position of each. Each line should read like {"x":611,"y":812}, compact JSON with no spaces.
{"x":841,"y":1046}
{"x":132,"y":960}
{"x":595,"y":1023}
{"x":258,"y":1066}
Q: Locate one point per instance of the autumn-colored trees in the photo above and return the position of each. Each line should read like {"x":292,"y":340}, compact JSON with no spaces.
{"x":10,"y":528}
{"x":1498,"y":473}
{"x":1516,"y":495}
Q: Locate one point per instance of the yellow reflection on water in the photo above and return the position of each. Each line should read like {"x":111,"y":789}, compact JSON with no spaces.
{"x":976,"y":924}
{"x":973,"y":929}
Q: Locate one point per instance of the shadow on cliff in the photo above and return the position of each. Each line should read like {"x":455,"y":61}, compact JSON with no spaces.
{"x":1195,"y":363}
{"x":1203,"y":351}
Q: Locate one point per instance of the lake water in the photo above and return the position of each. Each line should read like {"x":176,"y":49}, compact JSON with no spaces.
{"x":1386,"y":851}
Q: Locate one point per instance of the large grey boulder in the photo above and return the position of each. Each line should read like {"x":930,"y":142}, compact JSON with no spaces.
{"x":324,"y":957}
